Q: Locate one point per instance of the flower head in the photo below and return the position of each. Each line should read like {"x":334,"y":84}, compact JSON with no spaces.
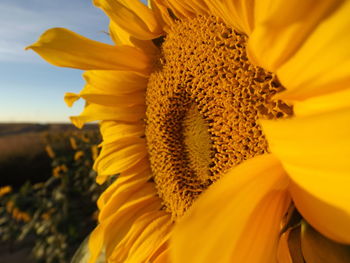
{"x":220,"y":117}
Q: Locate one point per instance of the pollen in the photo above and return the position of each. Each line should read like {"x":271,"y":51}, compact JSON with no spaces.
{"x":204,"y":99}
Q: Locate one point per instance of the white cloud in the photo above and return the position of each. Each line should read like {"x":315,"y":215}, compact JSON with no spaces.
{"x":21,"y":26}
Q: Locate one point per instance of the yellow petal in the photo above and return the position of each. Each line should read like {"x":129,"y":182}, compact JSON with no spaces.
{"x":238,"y":14}
{"x":151,"y":239}
{"x":120,"y":223}
{"x":116,"y":131}
{"x":112,"y":100}
{"x":114,"y":228}
{"x":119,"y":193}
{"x":237,"y":219}
{"x":144,"y":238}
{"x":65,"y":48}
{"x":162,"y":14}
{"x":70,"y":98}
{"x":198,"y":6}
{"x":318,"y":249}
{"x":115,"y":158}
{"x":187,"y":9}
{"x":289,"y":248}
{"x":176,"y":10}
{"x":119,"y":35}
{"x":181,"y":9}
{"x":283,"y":28}
{"x":147,"y":46}
{"x":283,"y":252}
{"x":314,"y":147}
{"x":101,"y":178}
{"x":328,"y":217}
{"x":132,"y":16}
{"x":113,"y":82}
{"x":162,"y":256}
{"x":336,"y":101}
{"x":94,"y":112}
{"x":122,"y":37}
{"x":322,"y":64}
{"x":83,"y":254}
{"x":140,"y":174}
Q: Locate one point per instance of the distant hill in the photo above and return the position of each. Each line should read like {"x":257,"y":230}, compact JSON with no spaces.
{"x":18,"y":128}
{"x":22,"y":151}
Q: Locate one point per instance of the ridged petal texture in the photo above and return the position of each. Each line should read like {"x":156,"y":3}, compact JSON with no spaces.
{"x":283,"y":27}
{"x":132,"y":16}
{"x":289,"y":247}
{"x":314,"y":147}
{"x":237,"y":219}
{"x":322,"y":64}
{"x":65,"y":48}
{"x":238,"y":14}
{"x":132,"y":227}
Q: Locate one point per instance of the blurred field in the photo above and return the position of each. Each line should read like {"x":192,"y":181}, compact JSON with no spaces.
{"x":22,"y":151}
{"x":48,"y":191}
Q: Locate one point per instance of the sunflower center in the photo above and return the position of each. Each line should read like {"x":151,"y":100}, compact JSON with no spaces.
{"x":203,"y":100}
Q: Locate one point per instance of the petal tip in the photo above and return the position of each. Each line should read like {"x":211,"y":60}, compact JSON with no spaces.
{"x":76,"y":121}
{"x":70,"y":98}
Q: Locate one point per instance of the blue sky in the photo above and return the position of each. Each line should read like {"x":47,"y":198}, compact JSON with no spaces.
{"x":31,"y":89}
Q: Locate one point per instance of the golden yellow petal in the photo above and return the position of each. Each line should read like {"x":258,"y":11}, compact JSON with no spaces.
{"x":283,"y":27}
{"x":124,"y":190}
{"x":198,"y":7}
{"x":113,"y":229}
{"x":132,"y":16}
{"x":283,"y":252}
{"x":335,"y":101}
{"x":156,"y":234}
{"x":236,"y":219}
{"x":65,"y":48}
{"x":70,"y":98}
{"x":122,"y":37}
{"x":119,"y":35}
{"x":96,"y":243}
{"x":318,"y":249}
{"x":314,"y":147}
{"x":178,"y":9}
{"x":118,"y":131}
{"x":101,"y":178}
{"x":238,"y":14}
{"x":327,"y":216}
{"x":122,"y":193}
{"x":322,"y":64}
{"x":188,"y":9}
{"x":120,"y":223}
{"x":112,"y":100}
{"x":140,"y":175}
{"x":115,"y":158}
{"x":289,"y":247}
{"x":114,"y":82}
{"x":144,"y":12}
{"x":162,"y":256}
{"x":94,"y":112}
{"x":144,"y":238}
{"x":161,"y":14}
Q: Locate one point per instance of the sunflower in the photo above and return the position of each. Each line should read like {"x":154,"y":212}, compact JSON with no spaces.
{"x":4,"y":190}
{"x":228,"y":122}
